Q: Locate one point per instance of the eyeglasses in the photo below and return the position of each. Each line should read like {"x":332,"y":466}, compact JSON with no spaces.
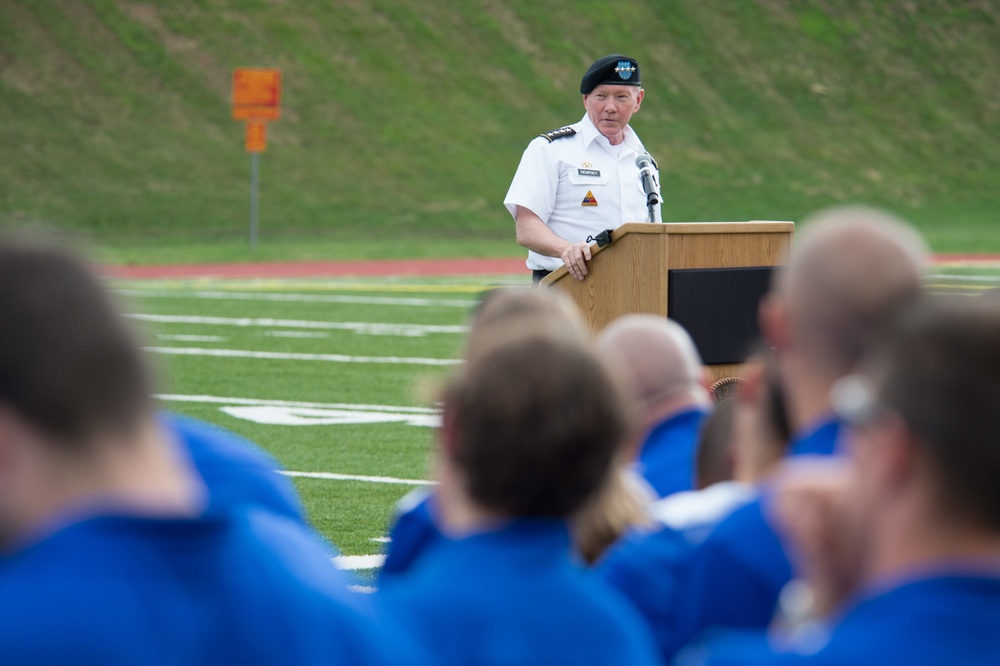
{"x":853,"y":401}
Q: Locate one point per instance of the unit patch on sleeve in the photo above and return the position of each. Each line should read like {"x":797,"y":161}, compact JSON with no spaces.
{"x":589,"y":200}
{"x":560,"y":133}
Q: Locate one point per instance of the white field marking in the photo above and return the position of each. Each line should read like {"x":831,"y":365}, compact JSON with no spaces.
{"x":331,"y":476}
{"x":190,"y":338}
{"x":381,"y":540}
{"x":296,"y":334}
{"x":356,"y":562}
{"x":281,"y":412}
{"x":368,"y":328}
{"x":362,"y":589}
{"x":212,"y":399}
{"x":305,"y":298}
{"x":308,"y":416}
{"x":966,"y":278}
{"x":288,"y":356}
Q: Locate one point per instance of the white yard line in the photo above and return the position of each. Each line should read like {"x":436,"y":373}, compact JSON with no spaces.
{"x":362,"y":589}
{"x":357,"y":326}
{"x":356,"y":562}
{"x":297,"y":334}
{"x":965,"y":278}
{"x":213,"y":399}
{"x":190,"y":338}
{"x":287,"y":356}
{"x":305,"y":298}
{"x":331,"y":476}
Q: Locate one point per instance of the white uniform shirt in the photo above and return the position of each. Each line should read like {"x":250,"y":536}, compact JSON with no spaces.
{"x":579,"y":186}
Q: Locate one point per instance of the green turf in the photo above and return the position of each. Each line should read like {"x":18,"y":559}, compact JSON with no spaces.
{"x":349,"y":513}
{"x":404,"y":120}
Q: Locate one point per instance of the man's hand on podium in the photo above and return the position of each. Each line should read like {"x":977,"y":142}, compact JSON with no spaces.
{"x":576,"y":256}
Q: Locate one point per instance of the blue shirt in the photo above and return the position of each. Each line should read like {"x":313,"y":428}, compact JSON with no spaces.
{"x":241,"y":583}
{"x":666,"y":458}
{"x":236,"y":472}
{"x":928,"y":622}
{"x":515,"y":596}
{"x":645,"y":565}
{"x":734,"y":578}
{"x":413,"y":531}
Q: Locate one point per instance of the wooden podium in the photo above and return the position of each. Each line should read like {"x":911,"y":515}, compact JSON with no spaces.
{"x":631,"y":274}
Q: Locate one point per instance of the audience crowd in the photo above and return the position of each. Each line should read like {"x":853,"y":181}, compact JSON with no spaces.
{"x":592,"y":504}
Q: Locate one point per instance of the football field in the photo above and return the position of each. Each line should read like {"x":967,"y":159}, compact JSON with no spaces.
{"x":334,"y":377}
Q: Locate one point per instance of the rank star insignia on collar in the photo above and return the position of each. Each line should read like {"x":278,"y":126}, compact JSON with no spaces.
{"x":589,"y":200}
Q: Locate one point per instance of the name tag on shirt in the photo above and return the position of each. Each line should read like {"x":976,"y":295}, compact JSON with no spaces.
{"x":589,"y":172}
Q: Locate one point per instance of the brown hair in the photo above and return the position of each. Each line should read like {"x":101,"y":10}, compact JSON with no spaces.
{"x":69,"y":364}
{"x":941,"y":372}
{"x":537,"y":419}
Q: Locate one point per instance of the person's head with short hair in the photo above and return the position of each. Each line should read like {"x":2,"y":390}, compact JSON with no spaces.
{"x":530,"y":426}
{"x":505,"y":311}
{"x":612,"y":94}
{"x":713,"y":459}
{"x":761,"y":431}
{"x":660,"y":363}
{"x":927,"y":411}
{"x":70,"y":366}
{"x":77,"y":420}
{"x":851,"y":271}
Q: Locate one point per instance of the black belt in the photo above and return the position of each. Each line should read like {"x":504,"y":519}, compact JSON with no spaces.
{"x":538,"y":275}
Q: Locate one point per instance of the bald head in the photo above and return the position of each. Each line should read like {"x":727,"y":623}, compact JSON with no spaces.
{"x":852,"y":270}
{"x":657,"y":358}
{"x":504,"y":312}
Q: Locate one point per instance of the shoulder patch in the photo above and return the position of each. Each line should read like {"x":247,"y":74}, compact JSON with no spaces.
{"x":560,"y":133}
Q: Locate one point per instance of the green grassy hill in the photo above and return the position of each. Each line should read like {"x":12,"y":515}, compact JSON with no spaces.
{"x":406,"y":118}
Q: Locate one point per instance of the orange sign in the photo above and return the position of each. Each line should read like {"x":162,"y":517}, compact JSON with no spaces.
{"x":255,"y":136}
{"x":255,"y":113}
{"x":256,"y":93}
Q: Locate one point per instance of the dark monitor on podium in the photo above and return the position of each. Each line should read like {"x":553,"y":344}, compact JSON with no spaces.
{"x":718,"y":308}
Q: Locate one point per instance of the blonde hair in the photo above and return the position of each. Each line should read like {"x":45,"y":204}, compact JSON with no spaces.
{"x":622,"y":503}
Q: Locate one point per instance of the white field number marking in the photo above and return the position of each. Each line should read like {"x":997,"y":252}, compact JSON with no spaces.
{"x":305,"y":416}
{"x":283,"y":412}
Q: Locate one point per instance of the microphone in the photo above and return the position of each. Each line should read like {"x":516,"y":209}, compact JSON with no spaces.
{"x":647,"y":168}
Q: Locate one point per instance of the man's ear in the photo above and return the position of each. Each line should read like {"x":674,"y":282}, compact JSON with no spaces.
{"x":448,"y":432}
{"x":11,"y":432}
{"x":895,"y":452}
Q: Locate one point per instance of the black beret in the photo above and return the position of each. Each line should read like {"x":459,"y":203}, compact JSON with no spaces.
{"x":615,"y":69}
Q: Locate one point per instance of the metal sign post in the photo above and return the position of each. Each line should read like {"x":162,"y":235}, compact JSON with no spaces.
{"x":256,"y":100}
{"x":254,"y":171}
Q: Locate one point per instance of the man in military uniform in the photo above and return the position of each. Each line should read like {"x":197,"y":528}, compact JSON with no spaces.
{"x":581,"y":179}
